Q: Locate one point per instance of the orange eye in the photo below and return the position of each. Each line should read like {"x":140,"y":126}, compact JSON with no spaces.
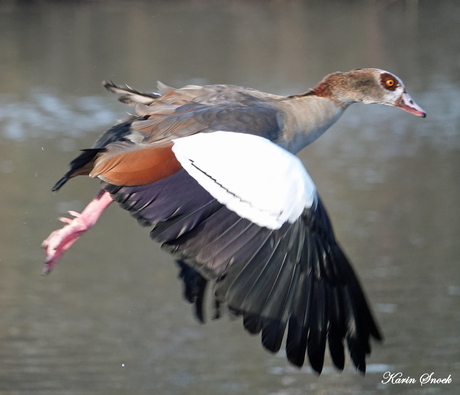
{"x":390,"y":83}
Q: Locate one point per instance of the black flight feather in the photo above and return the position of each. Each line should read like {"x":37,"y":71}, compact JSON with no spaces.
{"x":294,"y":277}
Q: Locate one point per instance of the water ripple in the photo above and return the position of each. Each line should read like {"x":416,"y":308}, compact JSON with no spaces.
{"x":47,"y":115}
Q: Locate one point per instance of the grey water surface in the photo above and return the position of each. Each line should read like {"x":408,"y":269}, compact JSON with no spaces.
{"x":110,"y":319}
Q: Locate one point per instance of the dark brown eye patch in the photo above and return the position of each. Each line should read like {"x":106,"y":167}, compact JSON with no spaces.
{"x":388,"y":81}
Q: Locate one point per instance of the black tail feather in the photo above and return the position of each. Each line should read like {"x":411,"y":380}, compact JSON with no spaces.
{"x":76,"y":166}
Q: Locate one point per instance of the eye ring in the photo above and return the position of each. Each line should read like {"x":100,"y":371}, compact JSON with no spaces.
{"x":390,"y":83}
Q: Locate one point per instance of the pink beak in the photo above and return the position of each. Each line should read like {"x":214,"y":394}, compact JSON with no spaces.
{"x":406,"y":103}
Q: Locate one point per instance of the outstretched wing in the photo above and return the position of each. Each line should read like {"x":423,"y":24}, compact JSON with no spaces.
{"x":244,"y":213}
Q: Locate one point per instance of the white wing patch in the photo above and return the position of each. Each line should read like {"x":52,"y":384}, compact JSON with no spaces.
{"x":250,"y":175}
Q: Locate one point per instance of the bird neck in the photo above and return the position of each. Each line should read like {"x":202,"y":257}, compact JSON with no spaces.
{"x":306,"y":117}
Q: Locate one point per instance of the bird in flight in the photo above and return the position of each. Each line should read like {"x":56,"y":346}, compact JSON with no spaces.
{"x":212,"y":171}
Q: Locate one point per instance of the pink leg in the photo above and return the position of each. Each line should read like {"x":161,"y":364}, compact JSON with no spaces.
{"x":59,"y":241}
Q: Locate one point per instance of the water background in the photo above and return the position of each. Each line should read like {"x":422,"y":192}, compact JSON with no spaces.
{"x":110,"y":319}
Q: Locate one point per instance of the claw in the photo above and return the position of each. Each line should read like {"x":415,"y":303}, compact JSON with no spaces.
{"x":66,"y":220}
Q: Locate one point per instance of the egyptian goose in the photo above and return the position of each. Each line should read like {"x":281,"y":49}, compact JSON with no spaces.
{"x":211,"y":169}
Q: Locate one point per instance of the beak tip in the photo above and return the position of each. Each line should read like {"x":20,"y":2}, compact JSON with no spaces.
{"x":406,"y":103}
{"x":421,"y":113}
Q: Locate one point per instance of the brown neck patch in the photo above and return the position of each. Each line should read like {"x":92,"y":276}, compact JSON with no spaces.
{"x":326,"y":87}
